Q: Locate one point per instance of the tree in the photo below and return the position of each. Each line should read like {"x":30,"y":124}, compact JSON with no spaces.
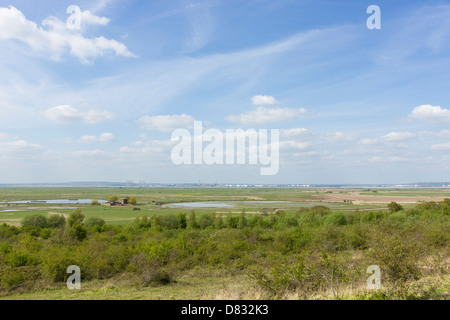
{"x":132,"y":200}
{"x":181,"y":219}
{"x":56,"y":221}
{"x":320,"y":210}
{"x":112,"y":198}
{"x":35,"y":221}
{"x":192,"y":221}
{"x":75,"y":218}
{"x":242,"y":220}
{"x":394,"y":207}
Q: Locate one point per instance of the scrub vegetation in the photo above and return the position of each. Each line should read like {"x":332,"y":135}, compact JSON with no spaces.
{"x":306,"y":253}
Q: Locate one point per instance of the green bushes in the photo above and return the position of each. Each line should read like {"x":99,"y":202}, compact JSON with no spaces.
{"x":39,"y":221}
{"x":303,"y":254}
{"x":56,"y":221}
{"x":94,"y":222}
{"x":398,"y":259}
{"x":36,"y":220}
{"x":335,"y":219}
{"x":18,"y":259}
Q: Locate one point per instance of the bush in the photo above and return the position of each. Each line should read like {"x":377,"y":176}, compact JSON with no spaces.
{"x":18,"y":259}
{"x":192,"y":221}
{"x":336,"y":219}
{"x":132,"y":201}
{"x":181,"y":219}
{"x":156,"y":278}
{"x":398,"y":259}
{"x":320,"y":210}
{"x":94,"y":222}
{"x":36,"y":220}
{"x":206,"y":221}
{"x":394,"y":207}
{"x":75,"y":218}
{"x":56,"y":221}
{"x":112,"y":198}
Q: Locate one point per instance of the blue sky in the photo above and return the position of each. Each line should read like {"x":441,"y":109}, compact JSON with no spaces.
{"x":353,"y":105}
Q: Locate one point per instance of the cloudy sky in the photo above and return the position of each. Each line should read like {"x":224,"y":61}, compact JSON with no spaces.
{"x":100,"y":102}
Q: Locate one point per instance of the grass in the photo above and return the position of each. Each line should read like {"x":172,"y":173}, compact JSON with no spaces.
{"x":147,"y":196}
{"x":190,"y":286}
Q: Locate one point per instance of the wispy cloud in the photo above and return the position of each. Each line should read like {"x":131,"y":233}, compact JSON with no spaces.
{"x":104,"y":137}
{"x":166,"y":123}
{"x":68,"y":114}
{"x":441,"y":147}
{"x":264,"y":115}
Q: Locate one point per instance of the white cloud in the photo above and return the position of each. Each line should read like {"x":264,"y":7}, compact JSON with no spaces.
{"x":442,"y":134}
{"x":430,"y":113}
{"x":91,"y":153}
{"x":389,"y":159}
{"x":19,"y":144}
{"x":291,"y":145}
{"x":57,"y":38}
{"x":399,"y":136}
{"x":263,"y":100}
{"x":295,"y":133}
{"x":4,"y":136}
{"x":441,"y":147}
{"x":68,"y":114}
{"x":104,"y":137}
{"x":88,"y":18}
{"x":264,"y":115}
{"x":18,"y":149}
{"x":340,"y":136}
{"x":166,"y":123}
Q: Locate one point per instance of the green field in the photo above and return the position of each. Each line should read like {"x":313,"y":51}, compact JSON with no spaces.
{"x":146,"y":198}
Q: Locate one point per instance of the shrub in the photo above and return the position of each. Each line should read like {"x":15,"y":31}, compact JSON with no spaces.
{"x":112,"y":198}
{"x":398,"y":259}
{"x":336,"y":219}
{"x":56,"y":221}
{"x":36,"y":220}
{"x":181,"y":219}
{"x":398,"y":216}
{"x":192,"y":221}
{"x":94,"y":222}
{"x":156,"y":278}
{"x":75,"y":218}
{"x":169,"y":222}
{"x":94,"y":202}
{"x":320,"y":210}
{"x":132,"y":201}
{"x":206,"y":221}
{"x":242,"y":223}
{"x":55,"y":263}
{"x":18,"y":259}
{"x":394,"y":207}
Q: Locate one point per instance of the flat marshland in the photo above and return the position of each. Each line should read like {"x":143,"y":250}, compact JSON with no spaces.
{"x":224,"y":243}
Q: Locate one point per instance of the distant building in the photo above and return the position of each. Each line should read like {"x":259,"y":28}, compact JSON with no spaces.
{"x":124,"y":201}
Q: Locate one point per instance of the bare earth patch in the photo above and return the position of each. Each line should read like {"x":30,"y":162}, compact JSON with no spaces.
{"x":58,"y":214}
